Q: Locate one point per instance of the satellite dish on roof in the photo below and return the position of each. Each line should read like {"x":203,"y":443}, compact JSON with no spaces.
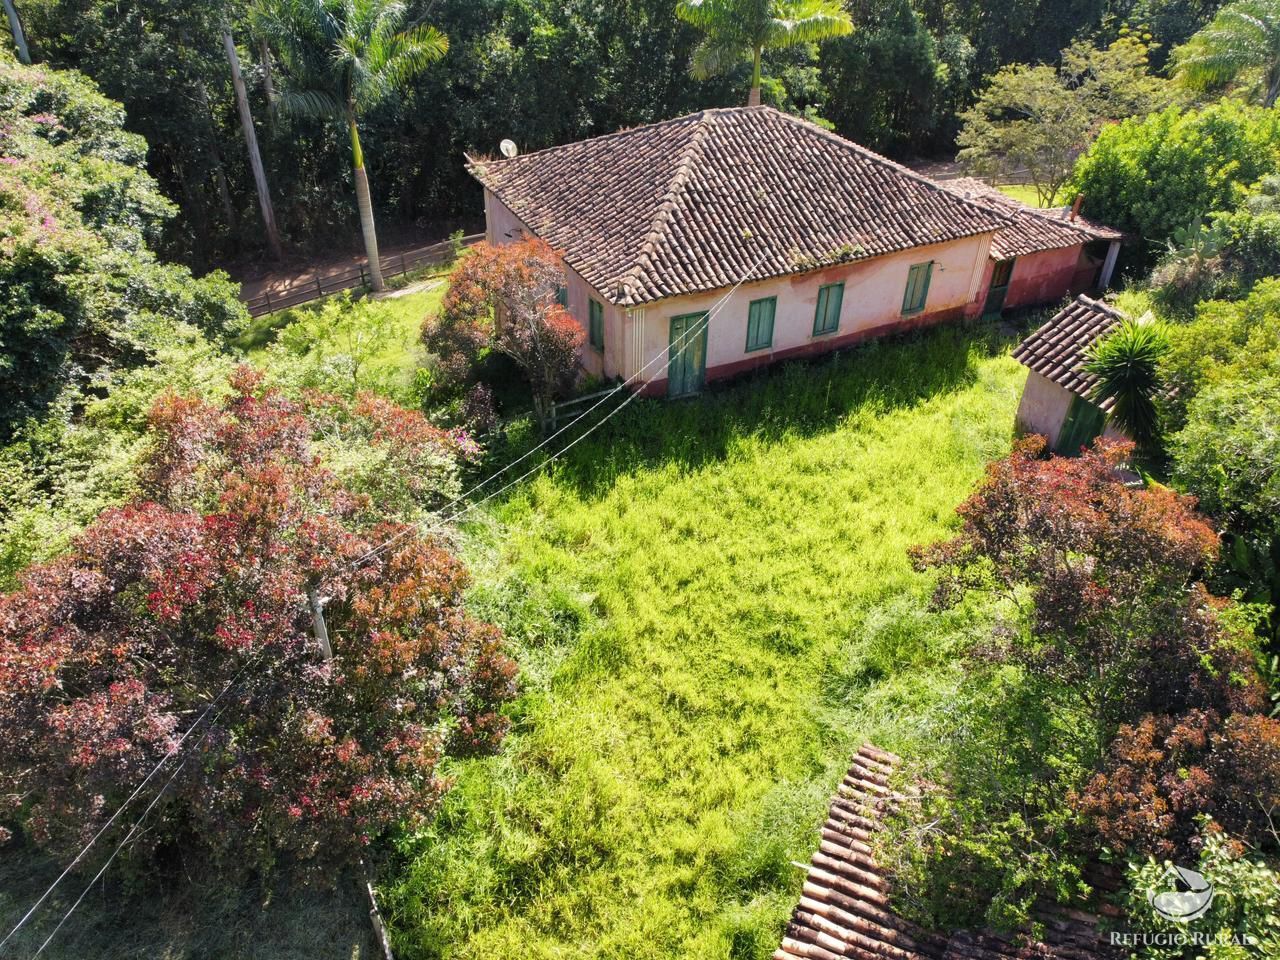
{"x":508,"y":148}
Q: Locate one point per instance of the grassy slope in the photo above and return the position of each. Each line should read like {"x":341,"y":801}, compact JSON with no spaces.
{"x":1021,"y":191}
{"x":391,"y":362}
{"x":713,"y":605}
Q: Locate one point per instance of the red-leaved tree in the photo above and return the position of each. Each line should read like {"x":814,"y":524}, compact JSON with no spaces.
{"x":197,"y":594}
{"x":1107,"y":574}
{"x":504,"y":296}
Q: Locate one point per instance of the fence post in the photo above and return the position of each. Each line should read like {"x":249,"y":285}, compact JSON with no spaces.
{"x":267,"y":294}
{"x":319,"y":288}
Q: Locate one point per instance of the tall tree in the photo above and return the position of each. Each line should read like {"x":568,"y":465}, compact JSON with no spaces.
{"x":738,"y":28}
{"x":341,"y":57}
{"x":1240,"y":45}
{"x":1040,"y":118}
{"x":19,"y":34}
{"x":251,"y":144}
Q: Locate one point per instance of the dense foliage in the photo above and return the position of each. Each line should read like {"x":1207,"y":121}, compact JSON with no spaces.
{"x":505,"y":297}
{"x":540,"y":72}
{"x":1116,"y":697}
{"x":189,"y":605}
{"x":1155,"y":175}
{"x":83,"y":292}
{"x":1040,"y":118}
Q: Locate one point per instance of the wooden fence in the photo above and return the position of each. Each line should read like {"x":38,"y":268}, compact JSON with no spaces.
{"x":392,"y":266}
{"x":568,"y":409}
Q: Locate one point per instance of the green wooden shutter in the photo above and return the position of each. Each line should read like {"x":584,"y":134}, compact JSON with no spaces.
{"x":760,"y":315}
{"x":917,"y":292}
{"x":595,"y":325}
{"x":562,"y":296}
{"x":826,"y":318}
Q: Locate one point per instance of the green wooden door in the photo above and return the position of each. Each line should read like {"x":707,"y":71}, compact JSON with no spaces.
{"x":687,"y":363}
{"x":1000,"y":276}
{"x":1083,"y":425}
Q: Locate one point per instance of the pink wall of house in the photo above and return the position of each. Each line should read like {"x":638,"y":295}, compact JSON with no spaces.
{"x":872,"y":306}
{"x":1047,"y":276}
{"x":637,"y":339}
{"x":503,"y":226}
{"x":1043,"y":277}
{"x":1043,"y":409}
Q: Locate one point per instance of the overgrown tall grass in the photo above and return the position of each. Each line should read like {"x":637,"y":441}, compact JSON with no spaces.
{"x":713,"y":605}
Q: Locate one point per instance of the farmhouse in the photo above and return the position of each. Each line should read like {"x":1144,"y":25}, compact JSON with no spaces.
{"x":1055,"y":401}
{"x":705,"y":245}
{"x":1043,"y":254}
{"x":845,"y":910}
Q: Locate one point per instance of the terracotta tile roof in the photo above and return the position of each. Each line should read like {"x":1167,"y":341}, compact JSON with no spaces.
{"x":1056,"y":350}
{"x":1032,"y":228}
{"x":845,"y":911}
{"x":692,"y":204}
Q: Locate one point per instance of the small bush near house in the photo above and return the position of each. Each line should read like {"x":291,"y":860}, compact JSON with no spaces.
{"x":505,"y":298}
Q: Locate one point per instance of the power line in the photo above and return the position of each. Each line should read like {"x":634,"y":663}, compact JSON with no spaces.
{"x":568,"y":426}
{"x":695,"y":331}
{"x":137,"y":790}
{"x":133,"y":830}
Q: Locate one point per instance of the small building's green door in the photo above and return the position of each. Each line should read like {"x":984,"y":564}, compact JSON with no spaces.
{"x":1084,"y":423}
{"x":999,"y":288}
{"x":687,"y":365}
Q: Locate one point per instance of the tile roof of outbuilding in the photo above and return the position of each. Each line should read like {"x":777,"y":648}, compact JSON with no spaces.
{"x":1057,"y":350}
{"x":695,"y":203}
{"x":1032,"y":228}
{"x":845,"y":908}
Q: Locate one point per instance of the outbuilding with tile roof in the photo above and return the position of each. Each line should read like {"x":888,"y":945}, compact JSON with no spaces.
{"x":1055,"y":401}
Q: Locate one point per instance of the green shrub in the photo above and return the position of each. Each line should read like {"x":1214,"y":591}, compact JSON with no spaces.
{"x":1152,"y":176}
{"x":84,"y":294}
{"x":1243,"y":919}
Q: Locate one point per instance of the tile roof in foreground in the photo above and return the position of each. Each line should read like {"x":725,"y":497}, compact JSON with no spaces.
{"x":692,"y":204}
{"x":845,"y":911}
{"x":1057,"y":350}
{"x":1032,"y":228}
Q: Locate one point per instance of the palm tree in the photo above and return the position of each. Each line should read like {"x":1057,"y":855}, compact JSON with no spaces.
{"x":740,"y":28}
{"x":339,"y":58}
{"x":1240,"y":44}
{"x":1127,"y":365}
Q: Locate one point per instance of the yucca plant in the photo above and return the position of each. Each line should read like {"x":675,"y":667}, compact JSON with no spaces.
{"x":341,"y":57}
{"x":1127,"y":365}
{"x":1240,"y":45}
{"x":740,"y":28}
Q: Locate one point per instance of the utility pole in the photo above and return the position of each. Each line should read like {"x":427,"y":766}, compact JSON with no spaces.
{"x":321,"y":632}
{"x":19,"y":35}
{"x":251,"y":141}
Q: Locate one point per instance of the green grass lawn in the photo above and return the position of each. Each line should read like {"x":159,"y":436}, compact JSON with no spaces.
{"x":713,"y":605}
{"x":324,"y":339}
{"x":1024,"y":192}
